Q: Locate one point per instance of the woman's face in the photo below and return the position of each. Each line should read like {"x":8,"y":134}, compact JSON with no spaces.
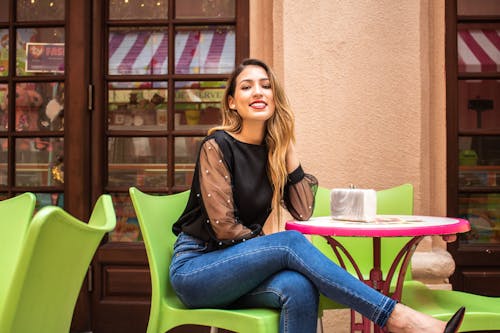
{"x":253,"y":97}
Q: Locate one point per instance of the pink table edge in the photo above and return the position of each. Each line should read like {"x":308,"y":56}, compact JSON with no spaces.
{"x":370,"y":229}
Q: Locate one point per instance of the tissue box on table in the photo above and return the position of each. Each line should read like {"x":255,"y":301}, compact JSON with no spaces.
{"x":353,"y":204}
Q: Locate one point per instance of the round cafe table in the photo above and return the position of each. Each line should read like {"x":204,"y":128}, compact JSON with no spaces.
{"x":414,"y":226}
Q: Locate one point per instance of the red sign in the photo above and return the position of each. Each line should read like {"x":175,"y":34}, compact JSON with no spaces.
{"x":45,"y":57}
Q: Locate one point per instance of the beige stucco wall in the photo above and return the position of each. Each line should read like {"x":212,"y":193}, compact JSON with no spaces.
{"x":367,"y":82}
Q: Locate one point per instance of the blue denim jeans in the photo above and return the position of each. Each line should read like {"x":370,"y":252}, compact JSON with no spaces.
{"x":282,"y":270}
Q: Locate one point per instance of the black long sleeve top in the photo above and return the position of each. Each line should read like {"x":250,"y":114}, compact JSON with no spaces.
{"x":231,"y":194}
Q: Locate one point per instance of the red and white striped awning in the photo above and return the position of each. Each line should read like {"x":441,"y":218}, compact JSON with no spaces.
{"x":478,"y":50}
{"x":196,"y":51}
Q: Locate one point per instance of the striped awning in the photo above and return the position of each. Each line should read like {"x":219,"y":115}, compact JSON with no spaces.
{"x":144,"y":52}
{"x":478,"y":50}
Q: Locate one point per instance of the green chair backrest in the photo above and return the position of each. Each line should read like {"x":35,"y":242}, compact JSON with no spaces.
{"x":15,"y":216}
{"x":394,"y":201}
{"x":55,"y":256}
{"x":160,"y":212}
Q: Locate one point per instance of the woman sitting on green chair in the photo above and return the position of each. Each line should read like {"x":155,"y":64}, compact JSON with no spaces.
{"x":245,"y":169}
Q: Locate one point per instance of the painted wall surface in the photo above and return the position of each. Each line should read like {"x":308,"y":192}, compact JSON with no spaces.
{"x":366,"y":81}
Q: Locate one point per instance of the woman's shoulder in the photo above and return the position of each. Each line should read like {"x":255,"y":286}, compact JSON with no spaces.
{"x":221,"y":137}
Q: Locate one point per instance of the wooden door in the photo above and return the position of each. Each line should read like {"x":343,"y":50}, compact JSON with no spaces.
{"x":158,"y":76}
{"x":97,"y":96}
{"x":473,"y":121}
{"x":44,"y":113}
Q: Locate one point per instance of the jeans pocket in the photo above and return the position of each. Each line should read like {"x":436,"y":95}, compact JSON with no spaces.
{"x":187,"y":244}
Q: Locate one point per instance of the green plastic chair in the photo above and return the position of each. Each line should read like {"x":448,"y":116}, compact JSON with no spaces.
{"x":51,"y":267}
{"x":482,"y":312}
{"x":156,"y":214}
{"x":15,"y":216}
{"x":396,"y":200}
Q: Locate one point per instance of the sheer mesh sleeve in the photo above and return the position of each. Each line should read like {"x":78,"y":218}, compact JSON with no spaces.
{"x":216,"y":191}
{"x":299,"y":194}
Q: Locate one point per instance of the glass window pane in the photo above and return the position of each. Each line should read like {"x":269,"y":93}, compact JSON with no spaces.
{"x":204,"y":50}
{"x":40,"y":10}
{"x":138,"y":9}
{"x":4,"y":107}
{"x":486,"y":149}
{"x":186,"y":149}
{"x":127,"y":228}
{"x":137,"y":161}
{"x":483,"y":213}
{"x":39,"y":106}
{"x":478,"y":104}
{"x":478,"y":50}
{"x":478,"y":7}
{"x":40,"y":50}
{"x":4,"y":52}
{"x":4,"y":13}
{"x":49,"y":199}
{"x":4,"y":154}
{"x":198,"y":104}
{"x":205,"y":9}
{"x":138,"y":51}
{"x":37,"y":160}
{"x":137,"y":106}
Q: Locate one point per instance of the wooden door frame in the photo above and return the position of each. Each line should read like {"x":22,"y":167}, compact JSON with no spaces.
{"x":77,"y":140}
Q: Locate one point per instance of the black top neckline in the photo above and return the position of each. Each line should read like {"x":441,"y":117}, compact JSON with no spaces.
{"x":242,"y":142}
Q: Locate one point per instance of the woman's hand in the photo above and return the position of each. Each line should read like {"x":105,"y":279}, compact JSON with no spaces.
{"x":449,"y":238}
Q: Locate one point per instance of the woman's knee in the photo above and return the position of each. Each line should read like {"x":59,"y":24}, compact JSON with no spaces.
{"x":294,"y":237}
{"x":298,"y":289}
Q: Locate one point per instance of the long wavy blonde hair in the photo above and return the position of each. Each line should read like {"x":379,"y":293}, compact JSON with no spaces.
{"x":280,"y":128}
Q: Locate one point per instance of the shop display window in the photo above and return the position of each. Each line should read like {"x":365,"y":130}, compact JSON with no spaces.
{"x":137,"y":106}
{"x":4,"y":52}
{"x":138,"y":51}
{"x":163,"y":95}
{"x":478,"y":110}
{"x":196,"y":9}
{"x":4,"y":150}
{"x":204,"y":50}
{"x":138,"y":9}
{"x":40,"y":51}
{"x":127,"y":226}
{"x":186,"y":149}
{"x":4,"y":107}
{"x":4,"y":13}
{"x":39,"y":161}
{"x":483,"y":213}
{"x":39,"y":106}
{"x":40,"y":10}
{"x":479,"y":104}
{"x":49,"y":199}
{"x":137,"y":161}
{"x":198,"y":104}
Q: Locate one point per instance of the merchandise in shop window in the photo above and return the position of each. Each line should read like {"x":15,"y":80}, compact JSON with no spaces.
{"x":4,"y":52}
{"x":38,"y":106}
{"x":4,"y":107}
{"x":141,"y":109}
{"x":28,"y":103}
{"x":40,"y":38}
{"x":127,"y":227}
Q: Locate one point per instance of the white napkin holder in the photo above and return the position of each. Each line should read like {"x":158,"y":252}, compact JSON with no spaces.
{"x":353,"y":204}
